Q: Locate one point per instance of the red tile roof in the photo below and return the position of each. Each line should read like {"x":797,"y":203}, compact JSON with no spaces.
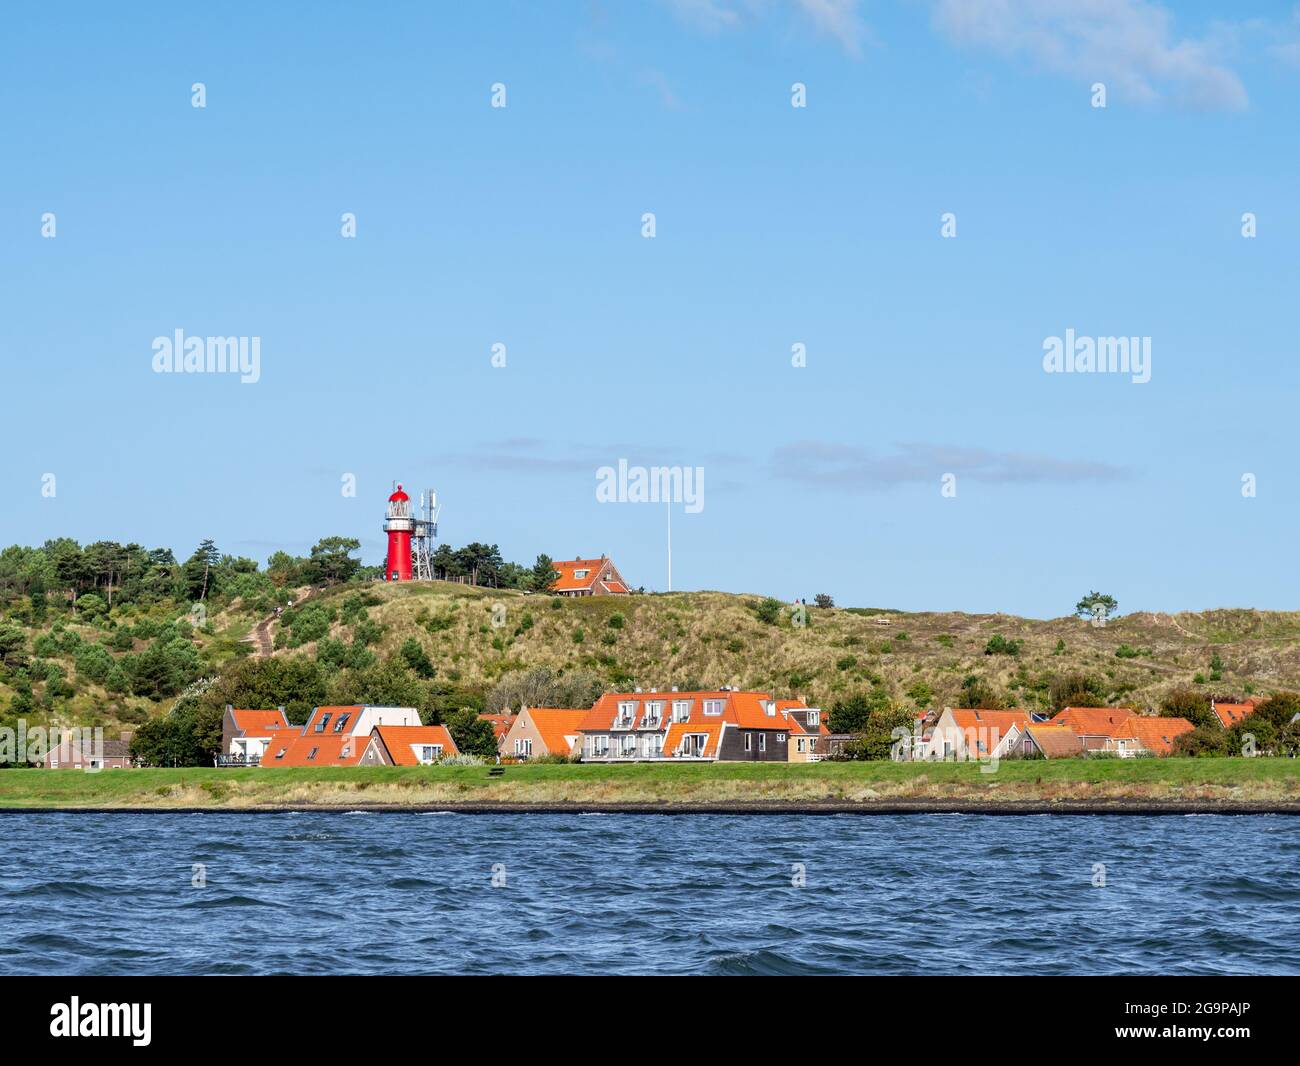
{"x":251,"y":722}
{"x":397,"y":741}
{"x":1095,"y":721}
{"x":744,"y":709}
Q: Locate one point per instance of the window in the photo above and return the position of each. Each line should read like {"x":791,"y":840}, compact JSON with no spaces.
{"x":323,"y":722}
{"x":713,"y":706}
{"x":769,"y":708}
{"x":280,"y":754}
{"x":780,"y":738}
{"x":312,"y":754}
{"x":343,"y":720}
{"x":749,"y":741}
{"x":762,"y":742}
{"x":812,"y":743}
{"x":800,"y":747}
{"x":654,"y":710}
{"x":681,"y":710}
{"x":580,"y":573}
{"x":430,"y":752}
{"x":814,"y":718}
{"x":523,"y":746}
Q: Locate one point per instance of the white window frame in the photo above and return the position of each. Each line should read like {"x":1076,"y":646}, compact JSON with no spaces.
{"x":714,"y":707}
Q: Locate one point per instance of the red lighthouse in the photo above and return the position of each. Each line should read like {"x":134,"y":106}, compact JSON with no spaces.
{"x":399,"y":525}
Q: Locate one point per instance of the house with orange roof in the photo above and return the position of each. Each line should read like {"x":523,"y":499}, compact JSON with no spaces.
{"x":588,"y":577}
{"x":725,"y":725}
{"x":355,"y":735}
{"x":1099,"y":728}
{"x":543,"y":731}
{"x":501,"y":724}
{"x":963,"y":733}
{"x":245,"y":734}
{"x":1040,"y":740}
{"x":408,"y":745}
{"x":1230,"y":714}
{"x":1145,"y":734}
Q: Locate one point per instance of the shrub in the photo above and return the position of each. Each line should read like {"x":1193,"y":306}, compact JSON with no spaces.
{"x":1000,"y":645}
{"x":768,"y":611}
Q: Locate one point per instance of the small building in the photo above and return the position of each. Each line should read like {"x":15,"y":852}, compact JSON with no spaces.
{"x":1048,"y":742}
{"x":246,"y":733}
{"x":588,"y":577}
{"x":975,"y":733}
{"x":809,"y":734}
{"x":501,"y":724}
{"x":1231,"y":714}
{"x":1099,"y":728}
{"x":1150,"y":735}
{"x":543,"y":731}
{"x":408,"y":745}
{"x":77,"y":750}
{"x":334,"y":736}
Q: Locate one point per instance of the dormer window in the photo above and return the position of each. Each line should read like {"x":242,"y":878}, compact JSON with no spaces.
{"x":343,"y":720}
{"x":324,"y":721}
{"x":681,"y":710}
{"x":581,"y":573}
{"x":814,"y":718}
{"x":714,"y":706}
{"x":654,"y":710}
{"x":769,"y":708}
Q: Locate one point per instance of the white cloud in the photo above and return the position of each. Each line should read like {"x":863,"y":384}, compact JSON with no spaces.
{"x":839,"y":19}
{"x":1128,"y":44}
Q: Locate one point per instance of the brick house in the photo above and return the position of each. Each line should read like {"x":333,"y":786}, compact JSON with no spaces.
{"x":588,"y":577}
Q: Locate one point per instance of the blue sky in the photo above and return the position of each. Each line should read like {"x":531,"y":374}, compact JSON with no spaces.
{"x":774,"y":226}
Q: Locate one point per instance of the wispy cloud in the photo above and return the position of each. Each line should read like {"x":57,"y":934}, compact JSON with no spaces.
{"x":841,"y":466}
{"x":839,"y":19}
{"x":1130,"y":44}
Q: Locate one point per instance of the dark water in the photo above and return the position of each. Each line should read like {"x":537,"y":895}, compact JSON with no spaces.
{"x":412,"y":893}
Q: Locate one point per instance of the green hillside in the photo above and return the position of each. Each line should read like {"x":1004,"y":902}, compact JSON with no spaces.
{"x":445,"y":645}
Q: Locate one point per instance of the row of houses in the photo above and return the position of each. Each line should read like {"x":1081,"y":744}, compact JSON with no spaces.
{"x":718,"y":725}
{"x":358,"y":735}
{"x":969,"y":733}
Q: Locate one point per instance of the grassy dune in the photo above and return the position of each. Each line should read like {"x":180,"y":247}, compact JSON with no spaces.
{"x":1154,"y":781}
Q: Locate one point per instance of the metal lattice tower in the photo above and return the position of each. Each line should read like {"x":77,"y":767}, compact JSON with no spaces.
{"x":422,"y":538}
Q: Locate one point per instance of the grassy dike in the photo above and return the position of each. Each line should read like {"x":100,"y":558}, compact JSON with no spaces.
{"x":1067,"y":785}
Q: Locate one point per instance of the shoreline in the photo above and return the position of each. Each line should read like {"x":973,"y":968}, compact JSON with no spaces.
{"x":1074,"y":808}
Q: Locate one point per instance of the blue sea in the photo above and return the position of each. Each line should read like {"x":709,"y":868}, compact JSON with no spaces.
{"x":412,"y":893}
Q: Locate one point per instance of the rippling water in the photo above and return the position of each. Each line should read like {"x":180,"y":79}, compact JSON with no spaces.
{"x":413,"y":893}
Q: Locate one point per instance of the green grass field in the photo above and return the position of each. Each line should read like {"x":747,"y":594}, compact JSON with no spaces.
{"x":1102,"y":781}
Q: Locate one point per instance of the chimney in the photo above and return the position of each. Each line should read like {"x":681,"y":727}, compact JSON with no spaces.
{"x":229,"y":707}
{"x":674,"y":688}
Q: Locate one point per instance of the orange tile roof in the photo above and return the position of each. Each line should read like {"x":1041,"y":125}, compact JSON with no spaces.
{"x":1232,"y":713}
{"x":334,"y":712}
{"x":567,"y":582}
{"x":1054,"y":741}
{"x":555,"y":725}
{"x":501,"y":723}
{"x":331,"y":749}
{"x":397,"y":741}
{"x":678,"y":730}
{"x":251,"y":722}
{"x":1156,"y":734}
{"x":744,"y":709}
{"x":1095,"y":721}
